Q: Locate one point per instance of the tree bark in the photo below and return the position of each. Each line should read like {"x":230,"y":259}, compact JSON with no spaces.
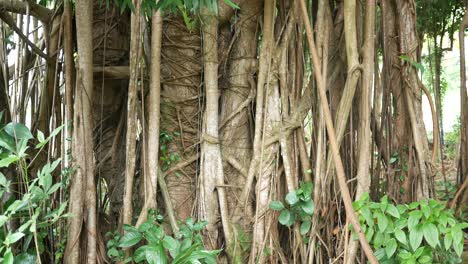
{"x":83,"y":190}
{"x":154,"y":101}
{"x":212,"y":203}
{"x":127,"y":210}
{"x":364,"y":133}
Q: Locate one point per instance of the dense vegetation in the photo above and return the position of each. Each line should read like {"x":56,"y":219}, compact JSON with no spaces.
{"x":233,"y":131}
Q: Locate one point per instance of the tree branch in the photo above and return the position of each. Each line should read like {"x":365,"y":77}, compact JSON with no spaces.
{"x":11,"y":23}
{"x":35,"y":10}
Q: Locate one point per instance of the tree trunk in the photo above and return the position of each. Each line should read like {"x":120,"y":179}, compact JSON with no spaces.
{"x":83,"y":190}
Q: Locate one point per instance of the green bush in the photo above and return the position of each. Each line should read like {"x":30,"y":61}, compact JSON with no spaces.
{"x":33,"y":212}
{"x":300,"y":207}
{"x":155,"y":246}
{"x":421,"y":232}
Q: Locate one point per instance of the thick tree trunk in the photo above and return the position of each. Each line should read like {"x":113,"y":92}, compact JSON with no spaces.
{"x":408,"y":40}
{"x":235,"y":127}
{"x":83,"y":190}
{"x":180,"y":113}
{"x":364,"y":133}
{"x":212,"y":194}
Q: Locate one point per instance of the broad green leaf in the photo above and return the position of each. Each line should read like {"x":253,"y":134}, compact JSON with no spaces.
{"x":18,"y":131}
{"x":447,"y":241}
{"x":366,"y":213}
{"x":305,"y":226}
{"x":5,"y":162}
{"x":369,"y":234}
{"x":286,"y":218}
{"x":130,"y":239}
{"x":199,"y":225}
{"x":171,"y":245}
{"x":113,"y":252}
{"x":382,"y":221}
{"x":129,"y":228}
{"x":415,"y":237}
{"x":393,"y":211}
{"x":458,"y":247}
{"x":8,"y":257}
{"x":390,"y":247}
{"x":139,"y":255}
{"x":457,"y":240}
{"x":12,"y":238}
{"x":276,"y":205}
{"x":431,"y":234}
{"x":400,"y":236}
{"x":424,"y":259}
{"x":308,"y":207}
{"x":155,"y":254}
{"x":413,"y":219}
{"x":45,"y":181}
{"x":291,"y":198}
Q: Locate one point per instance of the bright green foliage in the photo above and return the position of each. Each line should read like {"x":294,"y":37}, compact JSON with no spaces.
{"x":300,"y":207}
{"x":34,"y":213}
{"x":421,"y":232}
{"x":155,"y":246}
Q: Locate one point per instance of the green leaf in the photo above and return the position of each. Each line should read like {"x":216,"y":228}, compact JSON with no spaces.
{"x":382,"y":221}
{"x":5,"y":162}
{"x":171,"y":245}
{"x":366,"y":213}
{"x":391,"y":247}
{"x":286,"y":218}
{"x":130,"y":239}
{"x":139,"y":255}
{"x":415,"y":237}
{"x":457,"y":240}
{"x":45,"y":181}
{"x":8,"y":257}
{"x":276,"y":205}
{"x":18,"y":131}
{"x":291,"y":198}
{"x":400,"y":236}
{"x":305,"y":226}
{"x":369,"y":234}
{"x":40,"y":136}
{"x":308,"y":207}
{"x":155,"y":254}
{"x":425,"y":259}
{"x":231,"y":4}
{"x":393,"y":211}
{"x":199,"y":225}
{"x":431,"y":234}
{"x":113,"y":252}
{"x":413,"y":219}
{"x":12,"y":238}
{"x":129,"y":228}
{"x":447,"y":241}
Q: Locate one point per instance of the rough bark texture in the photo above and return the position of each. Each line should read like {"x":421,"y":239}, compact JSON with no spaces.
{"x":181,"y":98}
{"x":83,"y":189}
{"x":364,"y":132}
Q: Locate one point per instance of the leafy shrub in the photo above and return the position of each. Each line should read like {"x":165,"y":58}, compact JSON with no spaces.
{"x":300,"y":207}
{"x":154,"y":244}
{"x":421,"y":232}
{"x":33,"y":212}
